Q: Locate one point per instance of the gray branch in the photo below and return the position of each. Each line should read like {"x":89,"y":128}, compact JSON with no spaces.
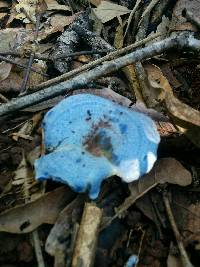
{"x":179,"y":42}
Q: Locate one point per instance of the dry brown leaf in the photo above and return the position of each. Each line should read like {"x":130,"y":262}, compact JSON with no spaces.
{"x":3,"y":15}
{"x":158,"y":81}
{"x":4,"y":4}
{"x":26,"y":130}
{"x":25,"y":218}
{"x":187,"y":215}
{"x":129,"y":71}
{"x":56,"y":23}
{"x":191,"y":224}
{"x":5,"y":69}
{"x":95,"y":2}
{"x":107,"y":11}
{"x":185,"y":117}
{"x":179,"y":23}
{"x":182,"y":113}
{"x":166,"y":170}
{"x":169,"y":170}
{"x":12,"y":38}
{"x":12,"y":83}
{"x":36,"y":78}
{"x":174,"y":261}
{"x":26,"y":10}
{"x":53,"y":5}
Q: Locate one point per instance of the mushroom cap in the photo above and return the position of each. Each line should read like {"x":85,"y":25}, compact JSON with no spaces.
{"x":88,"y":139}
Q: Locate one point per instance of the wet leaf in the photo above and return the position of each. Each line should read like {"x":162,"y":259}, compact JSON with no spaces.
{"x":107,"y":11}
{"x":25,"y":218}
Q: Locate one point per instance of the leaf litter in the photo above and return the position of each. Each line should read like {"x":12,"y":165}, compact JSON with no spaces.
{"x":152,"y":221}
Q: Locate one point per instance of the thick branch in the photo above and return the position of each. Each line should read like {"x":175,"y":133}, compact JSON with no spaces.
{"x":85,"y":247}
{"x":179,"y":42}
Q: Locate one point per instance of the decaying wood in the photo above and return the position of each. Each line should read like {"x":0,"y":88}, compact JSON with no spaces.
{"x":179,"y":42}
{"x":85,"y":246}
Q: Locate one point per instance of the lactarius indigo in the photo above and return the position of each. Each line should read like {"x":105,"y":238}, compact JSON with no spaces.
{"x":88,"y":139}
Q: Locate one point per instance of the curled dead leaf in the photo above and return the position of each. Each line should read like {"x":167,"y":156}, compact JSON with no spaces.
{"x":186,"y":118}
{"x":181,"y":112}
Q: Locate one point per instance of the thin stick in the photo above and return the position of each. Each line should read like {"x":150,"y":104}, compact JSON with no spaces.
{"x":32,"y":56}
{"x":178,"y":42}
{"x":38,"y":250}
{"x":131,"y":15}
{"x":21,"y":65}
{"x":129,"y":202}
{"x":3,"y":98}
{"x":74,"y":54}
{"x":85,"y":246}
{"x":148,"y":10}
{"x":184,"y":257}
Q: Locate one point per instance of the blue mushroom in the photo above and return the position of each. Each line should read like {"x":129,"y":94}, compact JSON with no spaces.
{"x":88,"y":139}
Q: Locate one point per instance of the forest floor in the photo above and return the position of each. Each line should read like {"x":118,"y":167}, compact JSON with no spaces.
{"x":144,"y":57}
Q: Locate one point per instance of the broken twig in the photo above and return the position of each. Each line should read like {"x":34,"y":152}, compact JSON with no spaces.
{"x":179,"y":42}
{"x":85,"y":246}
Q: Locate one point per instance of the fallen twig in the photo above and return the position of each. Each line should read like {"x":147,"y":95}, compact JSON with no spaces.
{"x":131,"y":15}
{"x":129,"y":202}
{"x":179,"y":42}
{"x":85,"y":246}
{"x":38,"y":250}
{"x":95,"y":63}
{"x":148,"y":10}
{"x":47,"y":58}
{"x":184,"y":257}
